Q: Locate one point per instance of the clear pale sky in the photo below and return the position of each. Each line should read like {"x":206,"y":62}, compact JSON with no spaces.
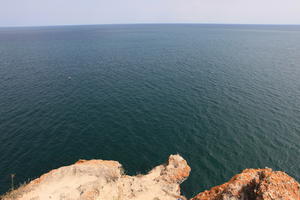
{"x":69,"y":12}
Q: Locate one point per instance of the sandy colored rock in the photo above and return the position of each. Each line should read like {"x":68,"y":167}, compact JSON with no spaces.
{"x":255,"y":184}
{"x":104,"y":180}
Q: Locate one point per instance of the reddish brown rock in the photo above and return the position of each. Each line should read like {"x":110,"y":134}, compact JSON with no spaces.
{"x":255,"y":184}
{"x":177,"y":170}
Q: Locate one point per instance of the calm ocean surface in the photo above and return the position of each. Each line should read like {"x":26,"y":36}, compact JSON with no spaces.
{"x":225,"y":97}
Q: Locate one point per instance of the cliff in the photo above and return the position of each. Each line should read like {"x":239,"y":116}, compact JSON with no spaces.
{"x":100,"y":179}
{"x":104,"y":180}
{"x":255,"y":184}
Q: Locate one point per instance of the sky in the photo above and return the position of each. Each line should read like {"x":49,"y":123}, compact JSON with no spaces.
{"x":75,"y":12}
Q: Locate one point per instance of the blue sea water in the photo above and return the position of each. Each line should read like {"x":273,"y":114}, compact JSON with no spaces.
{"x":225,"y":97}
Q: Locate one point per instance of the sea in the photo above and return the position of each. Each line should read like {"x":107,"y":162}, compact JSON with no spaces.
{"x":224,"y":97}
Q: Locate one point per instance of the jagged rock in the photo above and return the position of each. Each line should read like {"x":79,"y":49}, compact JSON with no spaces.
{"x":255,"y":184}
{"x":104,"y":180}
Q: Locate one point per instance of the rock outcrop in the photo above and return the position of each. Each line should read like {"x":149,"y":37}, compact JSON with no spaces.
{"x":104,"y":180}
{"x":255,"y":184}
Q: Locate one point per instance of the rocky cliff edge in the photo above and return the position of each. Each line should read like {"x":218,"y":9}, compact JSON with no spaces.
{"x":105,"y":180}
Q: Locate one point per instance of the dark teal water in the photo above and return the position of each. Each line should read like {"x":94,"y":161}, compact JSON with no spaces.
{"x":225,"y":97}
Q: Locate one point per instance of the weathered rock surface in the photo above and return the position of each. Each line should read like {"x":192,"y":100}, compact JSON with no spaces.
{"x":255,"y":184}
{"x":104,"y":180}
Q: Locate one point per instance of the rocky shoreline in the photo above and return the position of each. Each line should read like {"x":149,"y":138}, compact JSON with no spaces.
{"x":105,"y":180}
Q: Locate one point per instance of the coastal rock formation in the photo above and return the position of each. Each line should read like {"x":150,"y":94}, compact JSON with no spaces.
{"x":255,"y":184}
{"x":104,"y":180}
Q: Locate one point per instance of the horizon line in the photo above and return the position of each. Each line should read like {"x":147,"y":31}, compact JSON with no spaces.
{"x":148,"y":23}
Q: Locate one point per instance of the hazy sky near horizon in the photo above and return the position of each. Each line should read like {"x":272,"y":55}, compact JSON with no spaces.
{"x":69,"y":12}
